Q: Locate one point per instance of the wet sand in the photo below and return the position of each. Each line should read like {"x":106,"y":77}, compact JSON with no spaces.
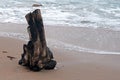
{"x":72,"y":64}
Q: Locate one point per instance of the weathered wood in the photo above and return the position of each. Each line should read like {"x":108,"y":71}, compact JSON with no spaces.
{"x":36,"y":55}
{"x":37,"y":5}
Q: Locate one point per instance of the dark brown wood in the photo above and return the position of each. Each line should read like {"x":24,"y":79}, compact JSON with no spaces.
{"x":36,"y":55}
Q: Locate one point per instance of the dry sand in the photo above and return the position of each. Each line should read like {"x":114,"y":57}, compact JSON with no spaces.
{"x":72,"y":64}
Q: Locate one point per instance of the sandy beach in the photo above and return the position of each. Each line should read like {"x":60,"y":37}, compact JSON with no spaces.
{"x":78,"y":52}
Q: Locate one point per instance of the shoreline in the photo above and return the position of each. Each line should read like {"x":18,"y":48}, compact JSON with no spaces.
{"x":70,"y":38}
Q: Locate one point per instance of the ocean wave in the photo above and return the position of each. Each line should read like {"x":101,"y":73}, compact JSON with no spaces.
{"x":78,"y":13}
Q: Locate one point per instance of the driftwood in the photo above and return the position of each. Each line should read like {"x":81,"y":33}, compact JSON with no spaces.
{"x":36,"y":55}
{"x":36,"y":5}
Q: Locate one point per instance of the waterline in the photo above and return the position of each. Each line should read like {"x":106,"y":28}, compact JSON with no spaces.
{"x":57,"y":44}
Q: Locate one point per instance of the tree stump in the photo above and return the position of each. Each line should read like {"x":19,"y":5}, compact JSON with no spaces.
{"x":36,"y":55}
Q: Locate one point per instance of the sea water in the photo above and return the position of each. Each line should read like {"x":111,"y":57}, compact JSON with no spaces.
{"x":77,"y":13}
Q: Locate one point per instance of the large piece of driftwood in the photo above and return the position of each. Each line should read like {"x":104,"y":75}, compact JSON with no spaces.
{"x":36,"y":55}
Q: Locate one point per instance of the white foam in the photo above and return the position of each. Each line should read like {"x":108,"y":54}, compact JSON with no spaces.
{"x":66,"y":12}
{"x":13,"y":15}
